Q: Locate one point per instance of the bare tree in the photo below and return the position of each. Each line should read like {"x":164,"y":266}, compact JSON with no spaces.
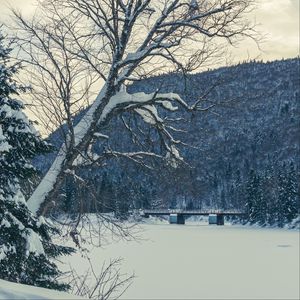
{"x":122,"y":41}
{"x":109,"y":283}
{"x":61,"y":84}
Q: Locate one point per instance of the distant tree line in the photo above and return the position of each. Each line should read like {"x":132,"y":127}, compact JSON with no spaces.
{"x":272,"y":196}
{"x":268,"y":196}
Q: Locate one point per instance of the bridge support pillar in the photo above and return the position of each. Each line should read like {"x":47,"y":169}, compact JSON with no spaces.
{"x":220,"y":219}
{"x":176,"y":219}
{"x":217,"y":219}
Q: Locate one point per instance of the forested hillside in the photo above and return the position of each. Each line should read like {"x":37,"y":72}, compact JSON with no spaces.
{"x":243,"y":152}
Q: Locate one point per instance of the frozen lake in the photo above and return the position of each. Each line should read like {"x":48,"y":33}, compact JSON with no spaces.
{"x":197,"y":261}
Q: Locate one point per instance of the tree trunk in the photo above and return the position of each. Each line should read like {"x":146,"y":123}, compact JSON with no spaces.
{"x":46,"y":192}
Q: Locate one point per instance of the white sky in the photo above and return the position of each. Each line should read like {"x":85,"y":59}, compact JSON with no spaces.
{"x":279,"y":20}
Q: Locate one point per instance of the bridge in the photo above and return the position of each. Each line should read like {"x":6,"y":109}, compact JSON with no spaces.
{"x":177,"y":216}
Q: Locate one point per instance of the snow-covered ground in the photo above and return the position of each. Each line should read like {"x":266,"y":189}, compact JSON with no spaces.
{"x":14,"y":291}
{"x":197,"y":261}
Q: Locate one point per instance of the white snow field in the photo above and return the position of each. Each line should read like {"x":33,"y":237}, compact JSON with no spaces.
{"x":14,"y":291}
{"x":200,"y":261}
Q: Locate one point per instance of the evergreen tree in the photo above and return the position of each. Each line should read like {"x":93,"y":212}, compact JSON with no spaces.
{"x":281,"y":201}
{"x":249,"y":197}
{"x":255,"y":205}
{"x":287,"y":206}
{"x":223,"y":203}
{"x":26,"y":247}
{"x":124,"y":197}
{"x":106,"y":195}
{"x":143,"y":197}
{"x":292,"y":195}
{"x":269,"y":194}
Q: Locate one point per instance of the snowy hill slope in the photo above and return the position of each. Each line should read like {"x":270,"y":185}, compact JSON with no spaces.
{"x":258,"y":129}
{"x":12,"y":291}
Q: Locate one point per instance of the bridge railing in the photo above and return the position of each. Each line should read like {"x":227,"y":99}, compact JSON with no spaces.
{"x":194,"y":211}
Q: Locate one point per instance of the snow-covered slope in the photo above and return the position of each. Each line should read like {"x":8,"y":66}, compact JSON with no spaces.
{"x":12,"y":291}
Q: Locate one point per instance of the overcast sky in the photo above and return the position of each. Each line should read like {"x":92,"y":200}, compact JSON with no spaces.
{"x":279,"y":20}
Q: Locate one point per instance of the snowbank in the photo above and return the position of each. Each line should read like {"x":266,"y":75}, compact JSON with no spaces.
{"x":12,"y":291}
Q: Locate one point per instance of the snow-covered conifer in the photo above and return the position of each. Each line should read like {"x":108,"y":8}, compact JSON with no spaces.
{"x":255,"y":205}
{"x":26,"y":247}
{"x":281,"y":201}
{"x":292,"y":193}
{"x":287,"y":205}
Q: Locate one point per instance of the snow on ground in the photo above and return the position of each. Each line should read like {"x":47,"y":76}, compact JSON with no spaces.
{"x":14,"y":291}
{"x":198,"y":261}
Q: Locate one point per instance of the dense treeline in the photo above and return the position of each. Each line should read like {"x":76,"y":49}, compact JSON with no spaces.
{"x":271,"y":195}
